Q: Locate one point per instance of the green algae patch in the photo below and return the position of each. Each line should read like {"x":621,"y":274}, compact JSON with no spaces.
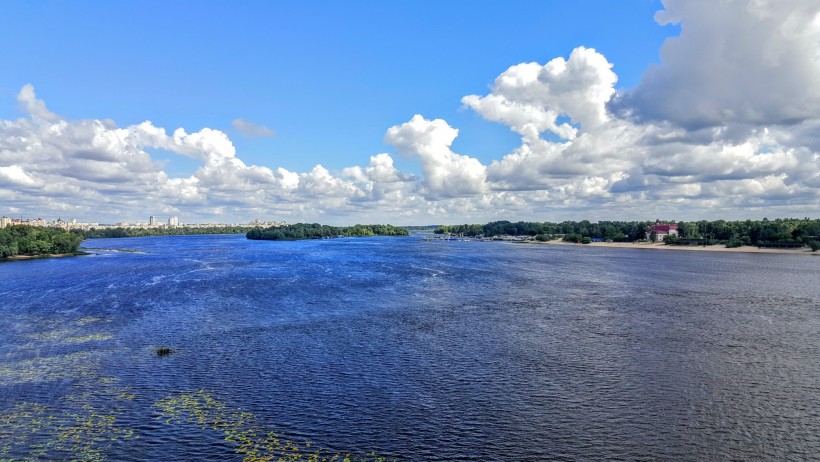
{"x":44,"y":433}
{"x":241,"y":429}
{"x":56,"y":332}
{"x":87,"y":320}
{"x":78,"y":426}
{"x":81,"y":364}
{"x":88,"y":338}
{"x":90,"y":419}
{"x":71,"y":429}
{"x":50,"y":336}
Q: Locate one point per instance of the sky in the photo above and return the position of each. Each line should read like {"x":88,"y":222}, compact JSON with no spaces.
{"x":415,"y":112}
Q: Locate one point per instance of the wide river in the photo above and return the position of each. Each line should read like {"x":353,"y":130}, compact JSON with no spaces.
{"x":402,"y":349}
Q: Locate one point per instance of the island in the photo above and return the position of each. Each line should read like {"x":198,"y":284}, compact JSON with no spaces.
{"x":161,"y":231}
{"x":317,"y":231}
{"x":20,"y":242}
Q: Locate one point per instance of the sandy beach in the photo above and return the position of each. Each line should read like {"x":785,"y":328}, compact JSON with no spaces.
{"x":687,"y":248}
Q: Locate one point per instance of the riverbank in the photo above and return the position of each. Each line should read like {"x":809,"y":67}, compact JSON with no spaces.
{"x":686,"y":248}
{"x":37,"y":257}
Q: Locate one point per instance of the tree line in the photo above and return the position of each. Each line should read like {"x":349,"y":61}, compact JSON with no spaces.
{"x":19,"y":240}
{"x":614,"y":230}
{"x":144,"y":232}
{"x":317,"y":231}
{"x":741,"y":232}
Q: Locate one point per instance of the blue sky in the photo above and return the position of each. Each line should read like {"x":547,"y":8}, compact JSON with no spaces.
{"x":331,"y":78}
{"x":328,"y":77}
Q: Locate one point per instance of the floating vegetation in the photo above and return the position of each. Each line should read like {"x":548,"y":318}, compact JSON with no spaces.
{"x":88,"y":338}
{"x":50,"y":336}
{"x":87,"y":435}
{"x":164,"y":351}
{"x":88,"y":320}
{"x":67,"y":335}
{"x":22,"y":426}
{"x":85,"y":423}
{"x":71,"y":428}
{"x":239,"y":428}
{"x":49,"y":368}
{"x":34,"y":431}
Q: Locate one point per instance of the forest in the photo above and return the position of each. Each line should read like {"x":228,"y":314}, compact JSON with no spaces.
{"x":731,"y":233}
{"x":34,"y":241}
{"x":317,"y":231}
{"x":179,"y":231}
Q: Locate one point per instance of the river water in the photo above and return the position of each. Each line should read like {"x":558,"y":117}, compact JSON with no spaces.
{"x":403,"y":349}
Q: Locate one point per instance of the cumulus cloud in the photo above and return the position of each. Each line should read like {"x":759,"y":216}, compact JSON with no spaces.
{"x":251,"y":129}
{"x":735,"y":61}
{"x":446,"y":174}
{"x":727,"y":125}
{"x":531,"y":98}
{"x":91,"y":167}
{"x":27,"y":99}
{"x":622,"y":157}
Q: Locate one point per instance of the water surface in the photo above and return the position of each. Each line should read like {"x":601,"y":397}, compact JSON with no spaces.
{"x":413,"y":350}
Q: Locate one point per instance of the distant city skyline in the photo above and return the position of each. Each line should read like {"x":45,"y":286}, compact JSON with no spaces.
{"x":411,"y":113}
{"x":152,"y":222}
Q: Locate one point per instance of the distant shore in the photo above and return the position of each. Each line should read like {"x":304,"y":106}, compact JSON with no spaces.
{"x":687,"y":248}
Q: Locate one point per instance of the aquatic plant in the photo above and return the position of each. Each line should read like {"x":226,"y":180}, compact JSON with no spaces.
{"x":48,"y":368}
{"x":88,"y":320}
{"x":240,"y":428}
{"x":83,"y":424}
{"x":88,"y":338}
{"x":44,"y":433}
{"x":80,"y":426}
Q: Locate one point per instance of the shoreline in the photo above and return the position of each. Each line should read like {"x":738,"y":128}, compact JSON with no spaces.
{"x":687,"y":248}
{"x":38,"y":257}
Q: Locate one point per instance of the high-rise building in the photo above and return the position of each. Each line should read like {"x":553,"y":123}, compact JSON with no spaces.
{"x":152,"y":221}
{"x":5,"y":221}
{"x":173,"y":222}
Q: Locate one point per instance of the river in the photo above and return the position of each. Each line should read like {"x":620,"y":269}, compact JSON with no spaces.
{"x":398,"y":348}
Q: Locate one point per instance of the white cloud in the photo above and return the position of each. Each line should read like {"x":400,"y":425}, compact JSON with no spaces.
{"x":28,"y":101}
{"x":728,"y":125}
{"x":736,"y":61}
{"x":531,"y":98}
{"x":92,"y":167}
{"x":251,"y":129}
{"x":15,"y":176}
{"x":664,"y":157}
{"x":446,"y":174}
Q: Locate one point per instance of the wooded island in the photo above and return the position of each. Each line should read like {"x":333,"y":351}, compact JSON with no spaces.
{"x":33,"y":241}
{"x":317,"y":231}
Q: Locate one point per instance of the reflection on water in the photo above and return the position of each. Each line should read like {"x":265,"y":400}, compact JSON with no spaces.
{"x":410,"y":350}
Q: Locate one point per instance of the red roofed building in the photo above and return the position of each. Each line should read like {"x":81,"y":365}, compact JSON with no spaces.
{"x":661,"y":230}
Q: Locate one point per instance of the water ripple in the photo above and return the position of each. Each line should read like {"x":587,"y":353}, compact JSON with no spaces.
{"x":412,"y":351}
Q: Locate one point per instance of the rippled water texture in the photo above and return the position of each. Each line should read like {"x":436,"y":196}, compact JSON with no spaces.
{"x":408,"y":350}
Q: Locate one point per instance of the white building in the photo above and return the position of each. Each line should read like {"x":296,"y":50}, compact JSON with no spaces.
{"x":661,"y":230}
{"x":5,"y":221}
{"x":173,"y":222}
